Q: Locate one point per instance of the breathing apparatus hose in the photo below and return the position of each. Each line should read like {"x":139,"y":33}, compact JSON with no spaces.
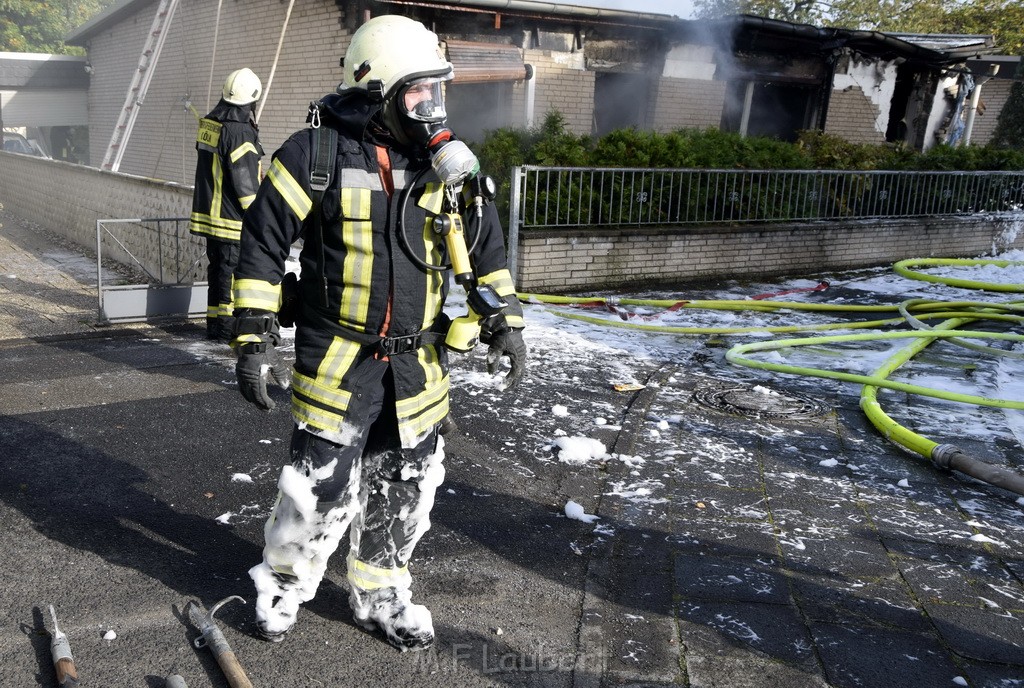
{"x":403,"y":235}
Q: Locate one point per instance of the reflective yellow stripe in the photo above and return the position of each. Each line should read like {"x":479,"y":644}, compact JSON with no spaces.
{"x":251,"y":293}
{"x":406,"y":408}
{"x":338,"y":359}
{"x":218,"y":187}
{"x":501,"y":280}
{"x":358,"y":265}
{"x":368,"y":577}
{"x":428,"y":360}
{"x":217,"y":222}
{"x":325,"y":389}
{"x":290,"y":190}
{"x":412,"y":431}
{"x":197,"y":226}
{"x":432,"y":303}
{"x":314,"y":415}
{"x":432,"y":198}
{"x":515,"y":321}
{"x":318,"y":391}
{"x":246,"y":201}
{"x":242,"y":150}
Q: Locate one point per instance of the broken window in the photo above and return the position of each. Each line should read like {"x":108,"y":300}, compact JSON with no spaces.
{"x":779,"y":110}
{"x":475,"y":109}
{"x":620,"y":101}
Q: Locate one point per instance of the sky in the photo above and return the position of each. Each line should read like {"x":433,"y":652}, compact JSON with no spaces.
{"x":679,"y":8}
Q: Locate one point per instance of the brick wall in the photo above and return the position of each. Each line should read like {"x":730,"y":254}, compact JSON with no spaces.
{"x":851,"y":115}
{"x":162,"y":144}
{"x":67,"y":199}
{"x":687,"y":104}
{"x":564,"y":85}
{"x":559,"y":261}
{"x":994,"y":95}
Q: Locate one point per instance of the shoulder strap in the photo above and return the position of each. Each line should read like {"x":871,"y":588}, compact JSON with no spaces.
{"x":321,"y":169}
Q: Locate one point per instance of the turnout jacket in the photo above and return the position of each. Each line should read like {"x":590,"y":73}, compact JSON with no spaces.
{"x":227,"y":171}
{"x":361,"y":283}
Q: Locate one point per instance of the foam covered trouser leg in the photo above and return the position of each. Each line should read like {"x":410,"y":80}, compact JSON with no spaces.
{"x":397,"y":496}
{"x":318,"y":496}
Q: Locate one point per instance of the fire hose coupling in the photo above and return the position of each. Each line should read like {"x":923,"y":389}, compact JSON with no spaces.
{"x":943,"y":455}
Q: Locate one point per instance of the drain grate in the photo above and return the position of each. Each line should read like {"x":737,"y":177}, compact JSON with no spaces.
{"x":760,"y":402}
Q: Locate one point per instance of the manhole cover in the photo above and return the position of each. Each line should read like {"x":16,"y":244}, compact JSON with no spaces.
{"x":760,"y":402}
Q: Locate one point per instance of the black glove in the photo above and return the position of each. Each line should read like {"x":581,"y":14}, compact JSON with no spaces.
{"x":256,"y":335}
{"x":507,"y":343}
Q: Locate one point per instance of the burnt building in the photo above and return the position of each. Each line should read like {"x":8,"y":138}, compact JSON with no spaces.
{"x":517,"y":60}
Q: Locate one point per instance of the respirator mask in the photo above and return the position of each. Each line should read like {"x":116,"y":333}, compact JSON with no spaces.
{"x":421,"y":119}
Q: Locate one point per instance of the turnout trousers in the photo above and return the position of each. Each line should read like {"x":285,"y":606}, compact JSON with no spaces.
{"x":373,"y":489}
{"x":223,"y":259}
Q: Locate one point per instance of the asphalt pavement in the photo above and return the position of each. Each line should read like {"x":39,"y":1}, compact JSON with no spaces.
{"x":739,"y":542}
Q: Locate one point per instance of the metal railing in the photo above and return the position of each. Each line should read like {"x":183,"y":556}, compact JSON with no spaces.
{"x":159,"y":247}
{"x":633,"y":197}
{"x":160,"y":253}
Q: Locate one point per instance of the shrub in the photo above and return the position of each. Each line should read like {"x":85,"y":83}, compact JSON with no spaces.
{"x":552,"y":145}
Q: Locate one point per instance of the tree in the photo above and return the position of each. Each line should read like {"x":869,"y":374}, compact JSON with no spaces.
{"x":1003,"y":19}
{"x":797,"y":11}
{"x":40,"y":26}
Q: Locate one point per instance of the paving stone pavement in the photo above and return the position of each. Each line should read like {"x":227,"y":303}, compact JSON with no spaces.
{"x":735,"y":550}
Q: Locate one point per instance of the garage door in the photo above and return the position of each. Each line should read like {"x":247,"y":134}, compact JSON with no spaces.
{"x":43,"y":108}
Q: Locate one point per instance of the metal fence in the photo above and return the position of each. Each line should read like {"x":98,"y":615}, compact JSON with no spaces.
{"x":166,"y":264}
{"x":626,"y":197}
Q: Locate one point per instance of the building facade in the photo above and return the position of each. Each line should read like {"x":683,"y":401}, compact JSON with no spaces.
{"x":44,"y":104}
{"x":601,"y":69}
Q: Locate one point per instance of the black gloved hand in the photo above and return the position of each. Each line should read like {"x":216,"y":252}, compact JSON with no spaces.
{"x":507,"y":343}
{"x":256,"y":335}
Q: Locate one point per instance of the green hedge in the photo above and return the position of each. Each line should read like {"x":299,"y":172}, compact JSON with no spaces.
{"x":551,"y":144}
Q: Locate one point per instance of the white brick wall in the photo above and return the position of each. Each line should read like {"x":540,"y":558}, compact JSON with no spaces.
{"x":68,"y":199}
{"x":162,"y":144}
{"x":553,"y":261}
{"x":549,"y":260}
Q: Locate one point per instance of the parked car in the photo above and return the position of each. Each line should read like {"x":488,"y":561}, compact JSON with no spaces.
{"x":16,"y":143}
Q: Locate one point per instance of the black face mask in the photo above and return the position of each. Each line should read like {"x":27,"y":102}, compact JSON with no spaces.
{"x":410,"y":132}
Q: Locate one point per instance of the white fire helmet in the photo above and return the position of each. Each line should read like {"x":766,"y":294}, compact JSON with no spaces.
{"x":390,"y":53}
{"x":242,"y":87}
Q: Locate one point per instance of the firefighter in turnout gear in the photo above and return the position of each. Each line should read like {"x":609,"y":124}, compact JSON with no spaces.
{"x":227,"y":176}
{"x":370,"y":385}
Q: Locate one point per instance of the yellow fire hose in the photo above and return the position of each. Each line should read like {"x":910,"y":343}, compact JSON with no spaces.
{"x":912,"y":312}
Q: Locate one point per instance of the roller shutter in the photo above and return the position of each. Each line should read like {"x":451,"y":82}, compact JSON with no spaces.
{"x":477,"y":63}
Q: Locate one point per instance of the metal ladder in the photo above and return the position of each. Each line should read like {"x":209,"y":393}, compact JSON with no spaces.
{"x":139,"y":85}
